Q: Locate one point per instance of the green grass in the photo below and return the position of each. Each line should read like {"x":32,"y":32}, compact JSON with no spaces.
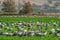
{"x":48,"y":37}
{"x":30,"y":19}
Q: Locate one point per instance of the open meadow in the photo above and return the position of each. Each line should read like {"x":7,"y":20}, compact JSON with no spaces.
{"x":51,"y":20}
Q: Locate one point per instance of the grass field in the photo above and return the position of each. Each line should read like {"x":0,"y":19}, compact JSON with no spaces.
{"x":31,"y":19}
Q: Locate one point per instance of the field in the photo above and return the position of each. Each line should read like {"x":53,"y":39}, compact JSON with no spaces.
{"x":31,"y":19}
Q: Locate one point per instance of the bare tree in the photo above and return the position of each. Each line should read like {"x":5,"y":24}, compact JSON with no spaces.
{"x":8,"y":6}
{"x":28,"y":8}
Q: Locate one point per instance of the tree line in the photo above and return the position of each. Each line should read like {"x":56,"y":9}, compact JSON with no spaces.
{"x":9,"y":7}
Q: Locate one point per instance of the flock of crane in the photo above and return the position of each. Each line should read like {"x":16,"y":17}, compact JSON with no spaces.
{"x":20,"y":31}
